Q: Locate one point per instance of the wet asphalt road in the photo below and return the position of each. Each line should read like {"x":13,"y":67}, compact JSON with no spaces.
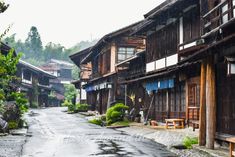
{"x":58,"y":134}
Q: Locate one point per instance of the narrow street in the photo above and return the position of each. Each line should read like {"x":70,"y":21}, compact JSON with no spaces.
{"x":56,"y":133}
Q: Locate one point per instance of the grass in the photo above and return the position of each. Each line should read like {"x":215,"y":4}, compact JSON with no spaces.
{"x":189,"y":141}
{"x":121,"y":123}
{"x":96,"y":121}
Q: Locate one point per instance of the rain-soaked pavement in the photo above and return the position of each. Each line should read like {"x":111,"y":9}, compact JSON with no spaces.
{"x":58,"y":134}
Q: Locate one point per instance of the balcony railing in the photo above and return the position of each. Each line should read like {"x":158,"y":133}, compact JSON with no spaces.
{"x":219,"y":16}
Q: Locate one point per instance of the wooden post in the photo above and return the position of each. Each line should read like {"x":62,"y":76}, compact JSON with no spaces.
{"x":187,"y":104}
{"x":210,"y":103}
{"x":231,"y":149}
{"x":202,"y":115}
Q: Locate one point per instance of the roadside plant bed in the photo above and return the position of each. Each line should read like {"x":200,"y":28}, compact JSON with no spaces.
{"x":188,"y":142}
{"x":81,"y":108}
{"x":120,"y":124}
{"x":96,"y":121}
{"x":13,"y":104}
{"x":101,"y":121}
{"x":75,"y":108}
{"x":116,"y":113}
{"x":115,"y":117}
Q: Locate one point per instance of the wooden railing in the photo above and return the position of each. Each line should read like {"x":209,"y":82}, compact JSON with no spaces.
{"x":219,"y":16}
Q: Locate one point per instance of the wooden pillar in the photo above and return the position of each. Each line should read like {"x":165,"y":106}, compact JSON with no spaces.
{"x":167,"y":104}
{"x":202,"y":115}
{"x":187,"y":102}
{"x":210,"y":103}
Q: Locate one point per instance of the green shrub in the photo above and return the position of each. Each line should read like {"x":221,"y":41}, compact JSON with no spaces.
{"x":2,"y":109}
{"x":66,"y":103}
{"x":34,"y":105}
{"x":71,"y":107}
{"x":189,"y":141}
{"x":121,"y":123}
{"x":103,"y":117}
{"x":116,"y":113}
{"x":82,"y":107}
{"x":12,"y":125}
{"x":96,"y":121}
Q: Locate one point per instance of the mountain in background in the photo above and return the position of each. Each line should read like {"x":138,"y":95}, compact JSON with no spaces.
{"x":35,"y":53}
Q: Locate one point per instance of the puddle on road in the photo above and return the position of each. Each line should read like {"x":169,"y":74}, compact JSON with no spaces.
{"x":111,"y":148}
{"x":33,"y":114}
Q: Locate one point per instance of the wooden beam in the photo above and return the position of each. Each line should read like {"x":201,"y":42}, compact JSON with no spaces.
{"x":202,"y":115}
{"x":210,"y":103}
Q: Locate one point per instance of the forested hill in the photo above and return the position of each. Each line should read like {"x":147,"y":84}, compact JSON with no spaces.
{"x":35,"y":53}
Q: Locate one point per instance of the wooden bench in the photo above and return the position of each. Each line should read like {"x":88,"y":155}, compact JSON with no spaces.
{"x":174,"y":121}
{"x":231,"y":146}
{"x":195,"y":124}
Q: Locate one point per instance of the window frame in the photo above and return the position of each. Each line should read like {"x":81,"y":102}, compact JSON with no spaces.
{"x":124,"y":53}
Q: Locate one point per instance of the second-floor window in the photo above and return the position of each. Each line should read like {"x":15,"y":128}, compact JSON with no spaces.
{"x":124,"y":53}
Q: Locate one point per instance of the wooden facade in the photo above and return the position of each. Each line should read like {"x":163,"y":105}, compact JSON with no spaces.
{"x":34,"y":83}
{"x":84,"y":74}
{"x":186,"y":71}
{"x":103,"y":87}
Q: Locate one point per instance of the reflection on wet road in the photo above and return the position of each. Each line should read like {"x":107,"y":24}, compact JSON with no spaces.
{"x":57,"y":134}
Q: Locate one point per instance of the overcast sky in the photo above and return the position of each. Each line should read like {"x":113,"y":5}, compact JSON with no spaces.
{"x":70,"y":21}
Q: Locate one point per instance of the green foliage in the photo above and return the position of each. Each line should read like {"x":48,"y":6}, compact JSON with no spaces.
{"x":96,"y":121}
{"x":75,"y":108}
{"x":189,"y":141}
{"x":21,"y":102}
{"x":116,"y":113}
{"x":121,"y":123}
{"x":70,"y":92}
{"x":3,"y":6}
{"x":13,"y":125}
{"x":36,"y":54}
{"x":33,"y":42}
{"x":66,"y":103}
{"x":71,"y":107}
{"x":52,"y":95}
{"x":7,"y":73}
{"x":2,"y":109}
{"x":75,"y":73}
{"x":34,"y":105}
{"x":81,"y":107}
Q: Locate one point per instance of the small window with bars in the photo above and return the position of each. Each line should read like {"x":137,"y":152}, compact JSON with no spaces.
{"x":124,"y":53}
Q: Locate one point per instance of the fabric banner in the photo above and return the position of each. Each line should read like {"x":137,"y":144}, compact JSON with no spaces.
{"x":163,"y":84}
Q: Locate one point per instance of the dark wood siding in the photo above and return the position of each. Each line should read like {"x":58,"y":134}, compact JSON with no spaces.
{"x":225,"y":101}
{"x":191,"y":23}
{"x":162,"y":43}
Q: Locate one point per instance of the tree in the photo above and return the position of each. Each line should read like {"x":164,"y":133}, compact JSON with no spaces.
{"x":75,"y":72}
{"x":7,"y":73}
{"x":11,"y":40}
{"x":3,"y":7}
{"x":34,"y":43}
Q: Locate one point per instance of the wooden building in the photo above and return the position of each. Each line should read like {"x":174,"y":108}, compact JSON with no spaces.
{"x":34,"y":83}
{"x":62,"y":70}
{"x":172,"y":32}
{"x":84,"y":74}
{"x":190,"y":64}
{"x":103,"y":87}
{"x":182,"y":67}
{"x":217,"y":71}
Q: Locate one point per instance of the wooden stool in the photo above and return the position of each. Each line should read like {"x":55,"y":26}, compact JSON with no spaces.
{"x":231,"y":146}
{"x":181,"y":121}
